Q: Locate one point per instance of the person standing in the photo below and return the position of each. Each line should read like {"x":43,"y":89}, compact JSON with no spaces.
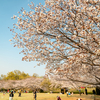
{"x":20,"y":94}
{"x":94,"y":92}
{"x":35,"y":95}
{"x":85,"y":91}
{"x":8,"y":90}
{"x":19,"y":91}
{"x":11,"y":95}
{"x":80,"y":92}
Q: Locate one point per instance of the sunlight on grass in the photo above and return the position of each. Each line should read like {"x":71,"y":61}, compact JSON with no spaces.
{"x":45,"y":96}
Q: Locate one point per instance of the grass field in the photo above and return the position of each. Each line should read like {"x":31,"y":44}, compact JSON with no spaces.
{"x":46,"y":96}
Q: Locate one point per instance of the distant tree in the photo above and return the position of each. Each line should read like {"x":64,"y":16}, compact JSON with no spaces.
{"x":35,"y":75}
{"x":41,"y":76}
{"x":3,"y":76}
{"x":46,"y":84}
{"x":24,"y":75}
{"x":11,"y":76}
{"x":15,"y":75}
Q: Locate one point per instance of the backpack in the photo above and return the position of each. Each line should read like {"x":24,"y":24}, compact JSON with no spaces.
{"x":59,"y":98}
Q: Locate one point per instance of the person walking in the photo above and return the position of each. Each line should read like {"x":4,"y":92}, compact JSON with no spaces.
{"x":35,"y":95}
{"x":11,"y":95}
{"x":80,"y":92}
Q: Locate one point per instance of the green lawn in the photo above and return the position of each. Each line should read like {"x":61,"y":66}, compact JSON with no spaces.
{"x":46,"y":96}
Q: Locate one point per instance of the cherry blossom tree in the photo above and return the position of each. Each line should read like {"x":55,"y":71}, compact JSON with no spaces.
{"x":30,"y":83}
{"x":46,"y":84}
{"x":64,"y":35}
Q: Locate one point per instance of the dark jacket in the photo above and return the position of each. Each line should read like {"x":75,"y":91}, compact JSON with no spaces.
{"x":11,"y":95}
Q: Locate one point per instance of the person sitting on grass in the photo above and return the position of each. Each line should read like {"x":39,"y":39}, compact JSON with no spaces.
{"x":58,"y":98}
{"x":78,"y":99}
{"x":67,"y":93}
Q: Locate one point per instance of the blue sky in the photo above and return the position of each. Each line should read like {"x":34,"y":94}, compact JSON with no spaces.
{"x":10,"y":59}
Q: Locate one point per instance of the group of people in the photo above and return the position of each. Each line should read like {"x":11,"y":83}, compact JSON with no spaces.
{"x":11,"y":95}
{"x":86,"y":91}
{"x":68,"y":93}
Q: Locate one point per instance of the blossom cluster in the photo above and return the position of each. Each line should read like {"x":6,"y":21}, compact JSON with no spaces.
{"x":64,"y":35}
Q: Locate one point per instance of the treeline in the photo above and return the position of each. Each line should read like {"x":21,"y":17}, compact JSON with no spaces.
{"x":17,"y":75}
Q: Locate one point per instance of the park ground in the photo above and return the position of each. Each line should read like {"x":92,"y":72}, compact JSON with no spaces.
{"x":47,"y":96}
